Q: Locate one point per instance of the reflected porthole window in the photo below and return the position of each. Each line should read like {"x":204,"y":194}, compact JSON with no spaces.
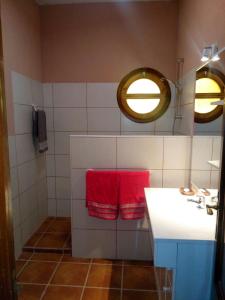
{"x":209,"y":88}
{"x":144,"y":95}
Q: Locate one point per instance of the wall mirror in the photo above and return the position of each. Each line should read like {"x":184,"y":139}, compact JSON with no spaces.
{"x":207,"y":123}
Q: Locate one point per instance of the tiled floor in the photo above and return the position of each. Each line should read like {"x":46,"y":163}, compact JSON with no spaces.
{"x":48,"y":271}
{"x":59,"y":276}
{"x":54,"y":235}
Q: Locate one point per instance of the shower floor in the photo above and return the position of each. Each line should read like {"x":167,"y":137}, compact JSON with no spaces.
{"x":54,"y":235}
{"x":46,"y":270}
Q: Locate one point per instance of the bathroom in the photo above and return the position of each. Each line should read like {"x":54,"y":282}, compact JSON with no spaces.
{"x":74,"y":60}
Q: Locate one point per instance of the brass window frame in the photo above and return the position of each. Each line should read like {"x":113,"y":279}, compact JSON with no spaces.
{"x":164,"y":96}
{"x":219,"y":78}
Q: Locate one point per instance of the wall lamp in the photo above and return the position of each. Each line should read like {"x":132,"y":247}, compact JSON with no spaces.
{"x":210,"y":53}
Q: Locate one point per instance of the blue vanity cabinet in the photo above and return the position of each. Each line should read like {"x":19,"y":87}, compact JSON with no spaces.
{"x":183,"y":243}
{"x":192,"y":264}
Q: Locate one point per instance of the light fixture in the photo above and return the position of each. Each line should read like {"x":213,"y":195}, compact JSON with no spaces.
{"x":210,"y":52}
{"x":206,"y":54}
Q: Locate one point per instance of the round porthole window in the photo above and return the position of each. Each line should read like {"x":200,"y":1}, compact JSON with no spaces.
{"x":143,"y":95}
{"x":210,"y":84}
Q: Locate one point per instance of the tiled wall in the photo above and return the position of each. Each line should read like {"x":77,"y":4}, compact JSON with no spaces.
{"x":27,"y":168}
{"x":85,"y":108}
{"x":205,"y":148}
{"x":167,"y":157}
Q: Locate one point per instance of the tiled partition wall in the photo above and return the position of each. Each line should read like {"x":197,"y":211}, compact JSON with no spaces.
{"x":27,"y":168}
{"x":85,"y":108}
{"x":166,"y":158}
{"x":205,"y":148}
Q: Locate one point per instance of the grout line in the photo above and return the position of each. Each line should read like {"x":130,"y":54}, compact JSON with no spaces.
{"x":86,"y":279}
{"x":121,"y":288}
{"x":89,"y":287}
{"x":51,"y":277}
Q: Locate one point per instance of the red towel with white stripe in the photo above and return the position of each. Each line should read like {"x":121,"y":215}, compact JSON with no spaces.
{"x":132,"y":203}
{"x":102,"y":194}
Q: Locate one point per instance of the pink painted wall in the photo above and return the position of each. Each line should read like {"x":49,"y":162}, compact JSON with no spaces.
{"x":21,"y":44}
{"x":201,"y":23}
{"x":103,"y":42}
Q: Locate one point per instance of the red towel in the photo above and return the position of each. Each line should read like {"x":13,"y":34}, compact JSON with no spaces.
{"x":102,"y":194}
{"x":131,"y":194}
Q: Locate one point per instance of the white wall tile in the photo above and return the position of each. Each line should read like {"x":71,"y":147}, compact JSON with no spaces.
{"x":51,"y":142}
{"x":78,"y":183}
{"x":133,"y":245}
{"x":23,"y":119}
{"x":51,"y":187}
{"x":94,"y":243}
{"x":214,"y":179}
{"x":103,"y":119}
{"x":24,"y":148}
{"x":27,"y":175}
{"x":49,"y":118}
{"x":62,"y":165}
{"x":165,"y":122}
{"x":175,"y":178}
{"x":14,"y":182}
{"x":69,"y":94}
{"x":81,"y":219}
{"x":50,"y":164}
{"x":140,"y":152}
{"x":12,"y":151}
{"x":63,"y":208}
{"x":62,"y":188}
{"x":16,"y":212}
{"x":102,"y":94}
{"x":176,"y":153}
{"x":70,"y":119}
{"x":37,"y":93}
{"x":93,"y":152}
{"x":48,"y":94}
{"x":62,"y":141}
{"x":52,"y":207}
{"x":200,"y":178}
{"x":156,"y":177}
{"x":21,"y":86}
{"x":40,"y":164}
{"x":18,"y":241}
{"x":201,"y":152}
{"x":133,"y":224}
{"x":128,"y":125}
{"x":217,"y":147}
{"x":28,"y":203}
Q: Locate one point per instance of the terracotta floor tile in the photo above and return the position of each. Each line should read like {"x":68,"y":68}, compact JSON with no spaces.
{"x":46,"y":256}
{"x":33,"y":240}
{"x":107,"y":261}
{"x":70,"y":274}
{"x":62,"y":293}
{"x":19,"y":265}
{"x":52,"y":240}
{"x":30,"y":292}
{"x":105,"y":276}
{"x":25,"y":255}
{"x":134,"y":295}
{"x":59,"y":226}
{"x":139,"y":277}
{"x":147,"y":263}
{"x":69,"y":258}
{"x":37,"y":272}
{"x":44,"y":226}
{"x":101,"y":294}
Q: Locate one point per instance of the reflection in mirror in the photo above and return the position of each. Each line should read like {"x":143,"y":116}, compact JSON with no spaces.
{"x":207,"y":131}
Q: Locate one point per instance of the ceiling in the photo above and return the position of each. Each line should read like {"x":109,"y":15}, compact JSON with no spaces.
{"x":53,"y":2}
